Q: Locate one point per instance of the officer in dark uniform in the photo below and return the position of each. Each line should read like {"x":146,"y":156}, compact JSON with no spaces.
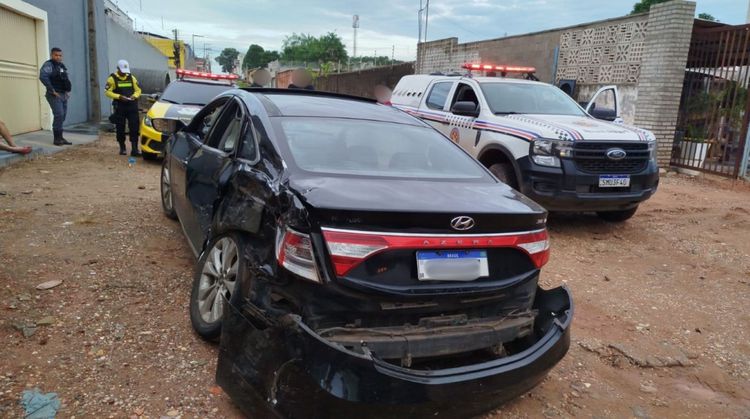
{"x":54,"y":77}
{"x":123,"y":89}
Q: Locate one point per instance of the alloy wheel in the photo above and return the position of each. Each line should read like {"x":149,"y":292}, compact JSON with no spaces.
{"x":218,"y":279}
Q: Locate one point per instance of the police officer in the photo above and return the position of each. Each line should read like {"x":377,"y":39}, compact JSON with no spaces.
{"x":54,"y":77}
{"x":123,"y":89}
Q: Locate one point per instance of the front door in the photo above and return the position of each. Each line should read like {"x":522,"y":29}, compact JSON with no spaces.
{"x":461,"y":127}
{"x":605,"y":104}
{"x":208,"y":172}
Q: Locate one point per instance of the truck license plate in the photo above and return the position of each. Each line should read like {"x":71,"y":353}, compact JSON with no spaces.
{"x":452,"y":265}
{"x":614,"y":181}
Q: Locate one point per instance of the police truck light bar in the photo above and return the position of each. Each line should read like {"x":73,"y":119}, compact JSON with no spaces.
{"x":499,"y":68}
{"x":187,"y":73}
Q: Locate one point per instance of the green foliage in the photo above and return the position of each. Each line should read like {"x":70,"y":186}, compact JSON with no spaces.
{"x":377,"y":61}
{"x":644,"y":6}
{"x":706,"y":16}
{"x":257,"y":57}
{"x":310,"y":49}
{"x":227,"y":59}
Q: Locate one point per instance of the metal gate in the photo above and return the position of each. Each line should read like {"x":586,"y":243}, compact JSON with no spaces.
{"x":712,"y":126}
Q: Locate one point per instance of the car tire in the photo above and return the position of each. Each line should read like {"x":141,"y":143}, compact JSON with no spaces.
{"x":167,"y":199}
{"x":617,"y":216}
{"x":215,"y":282}
{"x":149,"y":156}
{"x":505,"y":173}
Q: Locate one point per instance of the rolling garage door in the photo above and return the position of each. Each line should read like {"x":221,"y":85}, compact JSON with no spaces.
{"x":19,"y":86}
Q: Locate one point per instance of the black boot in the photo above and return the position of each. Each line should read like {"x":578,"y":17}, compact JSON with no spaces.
{"x":122,"y":148}
{"x":134,"y":149}
{"x":63,"y":140}
{"x":57,"y":137}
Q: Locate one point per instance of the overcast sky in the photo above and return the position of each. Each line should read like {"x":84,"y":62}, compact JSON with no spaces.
{"x":384,"y":24}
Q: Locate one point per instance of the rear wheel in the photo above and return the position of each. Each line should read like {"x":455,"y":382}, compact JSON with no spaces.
{"x":505,"y":173}
{"x":617,"y":216}
{"x":216,"y":279}
{"x":167,"y":201}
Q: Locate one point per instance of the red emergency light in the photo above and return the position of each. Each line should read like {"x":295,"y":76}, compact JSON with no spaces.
{"x":499,"y":68}
{"x":181,"y":73}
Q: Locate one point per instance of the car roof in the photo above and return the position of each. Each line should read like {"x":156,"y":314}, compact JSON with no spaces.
{"x":425,"y":79}
{"x":308,"y":103}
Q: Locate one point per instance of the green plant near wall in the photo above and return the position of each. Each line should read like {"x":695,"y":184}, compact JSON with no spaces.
{"x":704,"y":111}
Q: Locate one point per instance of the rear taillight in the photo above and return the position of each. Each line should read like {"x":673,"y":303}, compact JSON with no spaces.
{"x":350,"y":248}
{"x":295,"y":253}
{"x":536,"y":245}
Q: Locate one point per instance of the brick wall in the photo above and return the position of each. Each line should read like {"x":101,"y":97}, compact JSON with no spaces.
{"x":662,"y":72}
{"x":362,"y":83}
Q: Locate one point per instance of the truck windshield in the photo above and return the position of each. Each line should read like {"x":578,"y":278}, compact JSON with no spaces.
{"x":520,"y":98}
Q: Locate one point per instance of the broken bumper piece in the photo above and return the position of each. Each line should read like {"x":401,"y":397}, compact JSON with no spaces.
{"x":288,"y":370}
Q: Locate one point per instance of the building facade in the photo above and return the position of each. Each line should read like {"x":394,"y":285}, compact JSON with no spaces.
{"x":66,"y":26}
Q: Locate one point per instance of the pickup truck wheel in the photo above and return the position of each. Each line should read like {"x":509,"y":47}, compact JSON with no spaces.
{"x":617,"y":216}
{"x":167,"y":201}
{"x":504,"y":172}
{"x":215,"y":281}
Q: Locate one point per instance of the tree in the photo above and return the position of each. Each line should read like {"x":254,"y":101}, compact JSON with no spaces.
{"x":310,"y":49}
{"x":227,"y":59}
{"x":706,"y":16}
{"x":644,"y":6}
{"x":254,"y":57}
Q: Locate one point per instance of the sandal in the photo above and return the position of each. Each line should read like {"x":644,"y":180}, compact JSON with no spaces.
{"x":25,"y":150}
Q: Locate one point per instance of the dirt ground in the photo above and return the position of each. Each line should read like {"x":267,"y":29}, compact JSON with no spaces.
{"x":661,"y":327}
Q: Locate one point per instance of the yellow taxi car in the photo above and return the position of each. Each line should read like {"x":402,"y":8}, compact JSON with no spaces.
{"x":177,"y":105}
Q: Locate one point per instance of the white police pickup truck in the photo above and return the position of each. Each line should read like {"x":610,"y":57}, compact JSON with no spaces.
{"x":537,"y":139}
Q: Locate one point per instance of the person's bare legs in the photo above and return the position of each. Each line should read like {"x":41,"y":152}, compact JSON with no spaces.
{"x":11,"y":147}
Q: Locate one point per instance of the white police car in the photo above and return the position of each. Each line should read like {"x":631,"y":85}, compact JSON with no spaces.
{"x":537,"y":139}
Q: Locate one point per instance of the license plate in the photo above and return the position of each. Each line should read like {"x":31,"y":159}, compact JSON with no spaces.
{"x":614,"y":181}
{"x":452,"y":265}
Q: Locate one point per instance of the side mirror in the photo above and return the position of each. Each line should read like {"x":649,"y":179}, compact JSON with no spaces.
{"x":465,"y":109}
{"x":153,"y":97}
{"x":605,"y":114}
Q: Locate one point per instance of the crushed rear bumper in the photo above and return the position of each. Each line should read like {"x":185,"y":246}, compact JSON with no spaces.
{"x":288,"y":370}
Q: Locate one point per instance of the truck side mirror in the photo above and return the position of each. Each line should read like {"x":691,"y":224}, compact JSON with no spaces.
{"x":465,"y":109}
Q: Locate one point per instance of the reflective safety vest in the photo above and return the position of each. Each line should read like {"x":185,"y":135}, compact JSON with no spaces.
{"x":123,"y":87}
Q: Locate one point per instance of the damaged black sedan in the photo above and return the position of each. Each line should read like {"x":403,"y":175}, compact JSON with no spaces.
{"x":357,"y":263}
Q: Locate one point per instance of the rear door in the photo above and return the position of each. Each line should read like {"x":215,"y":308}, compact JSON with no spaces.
{"x":208,"y":171}
{"x":434,"y":108}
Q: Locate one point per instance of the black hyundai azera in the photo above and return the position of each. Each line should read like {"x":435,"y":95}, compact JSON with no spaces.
{"x":356,"y":263}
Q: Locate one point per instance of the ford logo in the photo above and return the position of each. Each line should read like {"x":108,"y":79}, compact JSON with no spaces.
{"x":616,"y":154}
{"x":462,"y":223}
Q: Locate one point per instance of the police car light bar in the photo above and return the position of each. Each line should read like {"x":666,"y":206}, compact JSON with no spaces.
{"x":188,"y":73}
{"x":499,"y":68}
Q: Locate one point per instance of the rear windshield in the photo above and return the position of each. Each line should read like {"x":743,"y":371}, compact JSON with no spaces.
{"x":371,"y":148}
{"x":187,"y":93}
{"x":510,"y":98}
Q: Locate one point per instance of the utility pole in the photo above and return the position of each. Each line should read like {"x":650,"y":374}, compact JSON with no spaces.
{"x":393,"y":54}
{"x":95,"y":113}
{"x":193,"y":44}
{"x":176,"y":50}
{"x":355,"y":26}
{"x":426,"y":18}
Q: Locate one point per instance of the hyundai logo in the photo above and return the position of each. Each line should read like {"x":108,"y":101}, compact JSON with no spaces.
{"x":462,"y":223}
{"x":616,"y":154}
